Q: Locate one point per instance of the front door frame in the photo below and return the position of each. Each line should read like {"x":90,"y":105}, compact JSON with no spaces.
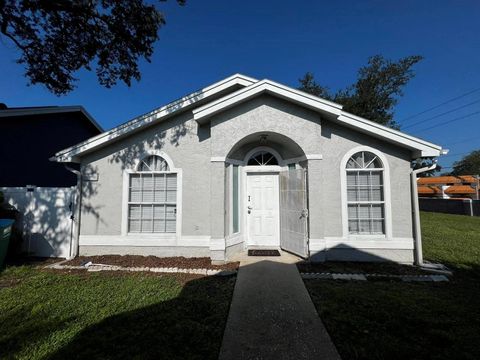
{"x":257,"y":170}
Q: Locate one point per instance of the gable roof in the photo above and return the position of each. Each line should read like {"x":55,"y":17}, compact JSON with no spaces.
{"x":250,"y":88}
{"x":334,"y":112}
{"x":41,"y":110}
{"x":71,"y":154}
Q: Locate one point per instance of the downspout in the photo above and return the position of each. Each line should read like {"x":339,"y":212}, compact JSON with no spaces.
{"x":417,"y":231}
{"x":74,"y":240}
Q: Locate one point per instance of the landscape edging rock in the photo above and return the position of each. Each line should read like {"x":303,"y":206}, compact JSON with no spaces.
{"x":364,"y":277}
{"x":102,"y":267}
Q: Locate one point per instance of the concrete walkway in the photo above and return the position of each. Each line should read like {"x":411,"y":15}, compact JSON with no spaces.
{"x":273,"y":317}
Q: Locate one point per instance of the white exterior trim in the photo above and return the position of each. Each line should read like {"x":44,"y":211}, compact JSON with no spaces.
{"x":329,"y":243}
{"x":420,"y":148}
{"x":314,"y":157}
{"x":217,"y":159}
{"x":121,"y":240}
{"x":126,"y":177}
{"x":386,"y":193}
{"x":234,"y":239}
{"x":203,"y":113}
{"x":234,"y":161}
{"x":217,"y":244}
{"x":72,"y":153}
{"x":252,"y":88}
{"x":423,"y":148}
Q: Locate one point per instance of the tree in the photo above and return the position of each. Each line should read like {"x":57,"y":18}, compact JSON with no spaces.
{"x":56,"y":38}
{"x":468,"y":165}
{"x":426,"y":162}
{"x":375,"y":93}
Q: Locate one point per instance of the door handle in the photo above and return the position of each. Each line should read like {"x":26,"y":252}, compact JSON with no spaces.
{"x":304,"y":213}
{"x":249,"y":208}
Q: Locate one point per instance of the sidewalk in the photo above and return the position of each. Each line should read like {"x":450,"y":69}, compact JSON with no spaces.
{"x":273,"y":317}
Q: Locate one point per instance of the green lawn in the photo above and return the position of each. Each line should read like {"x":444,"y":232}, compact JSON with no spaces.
{"x":52,"y":315}
{"x":392,"y":320}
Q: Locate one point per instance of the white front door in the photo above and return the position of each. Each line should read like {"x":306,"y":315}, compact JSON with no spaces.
{"x":263,"y":210}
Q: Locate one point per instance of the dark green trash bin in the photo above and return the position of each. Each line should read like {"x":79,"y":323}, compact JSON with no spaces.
{"x":5,"y":232}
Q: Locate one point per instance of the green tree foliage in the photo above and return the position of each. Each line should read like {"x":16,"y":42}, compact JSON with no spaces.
{"x":375,"y":93}
{"x":56,"y":38}
{"x":468,"y":165}
{"x":426,"y":162}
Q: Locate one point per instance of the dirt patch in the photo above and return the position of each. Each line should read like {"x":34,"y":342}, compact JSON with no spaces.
{"x":358,"y":267}
{"x":6,"y":283}
{"x":152,"y":261}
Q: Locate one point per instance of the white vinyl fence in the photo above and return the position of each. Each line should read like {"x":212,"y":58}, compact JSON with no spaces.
{"x":45,"y":218}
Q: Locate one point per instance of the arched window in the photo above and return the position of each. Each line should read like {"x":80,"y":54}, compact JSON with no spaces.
{"x":262,"y":158}
{"x":152,"y":197}
{"x":153,"y":163}
{"x":365,"y":194}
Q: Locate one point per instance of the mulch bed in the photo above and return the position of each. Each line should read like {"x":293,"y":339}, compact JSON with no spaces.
{"x":152,"y":261}
{"x":359,"y":267}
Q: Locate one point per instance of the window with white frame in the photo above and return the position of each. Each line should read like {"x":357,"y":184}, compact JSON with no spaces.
{"x":365,"y":194}
{"x":152,"y":197}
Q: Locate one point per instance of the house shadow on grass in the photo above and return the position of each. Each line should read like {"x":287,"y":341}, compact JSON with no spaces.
{"x":388,"y":319}
{"x":189,"y":326}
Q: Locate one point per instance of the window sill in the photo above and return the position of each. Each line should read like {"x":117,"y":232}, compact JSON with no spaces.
{"x":152,"y":235}
{"x":366,"y":237}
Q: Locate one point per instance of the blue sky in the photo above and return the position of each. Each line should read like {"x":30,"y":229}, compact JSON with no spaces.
{"x":206,"y":41}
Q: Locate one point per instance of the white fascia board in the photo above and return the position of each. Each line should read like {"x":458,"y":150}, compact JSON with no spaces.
{"x":50,"y":110}
{"x":421,"y":147}
{"x":203,"y":113}
{"x":71,"y":154}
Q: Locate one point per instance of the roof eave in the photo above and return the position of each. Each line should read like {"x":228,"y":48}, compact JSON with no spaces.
{"x":204,"y":113}
{"x":420,"y":148}
{"x":72,"y":154}
{"x":51,"y":110}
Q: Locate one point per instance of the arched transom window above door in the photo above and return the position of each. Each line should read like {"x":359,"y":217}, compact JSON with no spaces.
{"x":262,"y":158}
{"x":365,"y":194}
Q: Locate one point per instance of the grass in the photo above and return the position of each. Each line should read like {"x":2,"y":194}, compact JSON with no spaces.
{"x":391,"y":320}
{"x":78,"y":315}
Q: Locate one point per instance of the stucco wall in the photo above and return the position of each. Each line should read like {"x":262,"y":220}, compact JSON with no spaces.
{"x":265,"y":114}
{"x":203,"y":187}
{"x":183,"y":141}
{"x":335,"y":142}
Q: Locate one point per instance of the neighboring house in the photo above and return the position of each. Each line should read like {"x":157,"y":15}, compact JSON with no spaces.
{"x":248,"y":164}
{"x":446,"y":187}
{"x":29,"y":137}
{"x":42,"y":191}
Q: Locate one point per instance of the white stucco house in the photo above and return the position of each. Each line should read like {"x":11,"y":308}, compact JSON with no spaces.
{"x":248,"y":163}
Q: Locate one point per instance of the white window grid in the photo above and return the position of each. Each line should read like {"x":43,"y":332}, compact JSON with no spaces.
{"x":153,"y":204}
{"x":366,"y":202}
